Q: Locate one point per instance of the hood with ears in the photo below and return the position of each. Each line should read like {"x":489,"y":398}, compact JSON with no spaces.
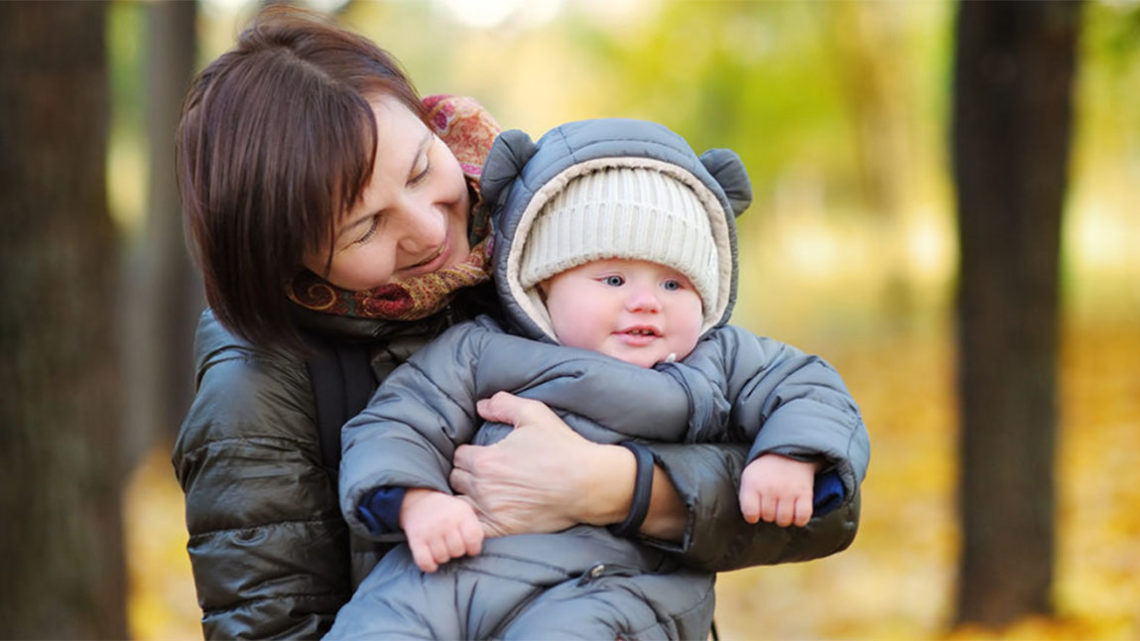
{"x":520,"y":176}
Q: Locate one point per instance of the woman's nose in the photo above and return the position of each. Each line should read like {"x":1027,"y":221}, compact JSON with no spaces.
{"x":421,"y":227}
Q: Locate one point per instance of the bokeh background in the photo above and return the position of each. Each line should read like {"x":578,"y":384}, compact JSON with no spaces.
{"x":840,"y":112}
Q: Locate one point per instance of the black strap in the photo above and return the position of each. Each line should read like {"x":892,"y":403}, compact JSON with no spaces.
{"x":343,"y":381}
{"x":642,"y":491}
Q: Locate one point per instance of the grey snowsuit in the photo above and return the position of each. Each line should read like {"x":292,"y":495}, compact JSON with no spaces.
{"x":582,"y":582}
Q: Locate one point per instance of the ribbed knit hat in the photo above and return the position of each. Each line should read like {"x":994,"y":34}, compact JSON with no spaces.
{"x":630,"y":213}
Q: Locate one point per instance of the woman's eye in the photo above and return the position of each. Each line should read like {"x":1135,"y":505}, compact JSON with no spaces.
{"x":671,"y":285}
{"x":614,"y":281}
{"x":373,"y":225}
{"x":421,"y":174}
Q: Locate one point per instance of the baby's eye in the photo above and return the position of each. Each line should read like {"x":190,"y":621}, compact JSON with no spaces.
{"x":614,"y":281}
{"x":672,"y":285}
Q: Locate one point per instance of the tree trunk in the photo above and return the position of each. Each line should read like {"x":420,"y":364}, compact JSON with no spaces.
{"x":164,"y":291}
{"x":61,"y":541}
{"x":1011,"y":131}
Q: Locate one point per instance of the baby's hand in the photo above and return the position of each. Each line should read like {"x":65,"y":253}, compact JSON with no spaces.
{"x":778,"y":490}
{"x":440,"y":527}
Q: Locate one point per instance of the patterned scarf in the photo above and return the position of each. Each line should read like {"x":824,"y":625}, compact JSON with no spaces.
{"x":468,"y":130}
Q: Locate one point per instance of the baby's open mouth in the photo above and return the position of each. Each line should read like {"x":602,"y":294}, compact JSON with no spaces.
{"x":641,"y":331}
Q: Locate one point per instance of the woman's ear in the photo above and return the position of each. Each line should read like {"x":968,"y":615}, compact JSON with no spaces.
{"x":509,"y":153}
{"x":728,"y":170}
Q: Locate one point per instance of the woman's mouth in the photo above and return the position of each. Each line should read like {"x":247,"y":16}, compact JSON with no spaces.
{"x":432,"y":262}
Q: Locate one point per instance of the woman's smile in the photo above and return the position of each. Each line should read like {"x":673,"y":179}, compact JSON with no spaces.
{"x":437,"y":259}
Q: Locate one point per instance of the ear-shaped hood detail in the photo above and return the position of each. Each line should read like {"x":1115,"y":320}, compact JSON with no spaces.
{"x":521,"y":176}
{"x":509,"y":153}
{"x":728,"y":170}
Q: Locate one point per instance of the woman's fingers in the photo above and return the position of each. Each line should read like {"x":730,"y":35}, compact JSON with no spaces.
{"x":529,"y":481}
{"x":504,"y":407}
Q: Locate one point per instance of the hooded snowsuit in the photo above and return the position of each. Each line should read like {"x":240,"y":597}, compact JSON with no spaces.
{"x":583,"y":582}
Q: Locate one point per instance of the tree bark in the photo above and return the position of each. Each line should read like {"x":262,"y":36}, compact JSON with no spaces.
{"x":1012,"y":117}
{"x":60,"y":480}
{"x":164,"y":290}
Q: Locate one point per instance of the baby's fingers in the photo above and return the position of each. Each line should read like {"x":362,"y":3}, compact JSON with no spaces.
{"x":454,"y":544}
{"x":466,"y":539}
{"x":785,"y":512}
{"x":422,"y":555}
{"x":768,"y":507}
{"x":472,"y":533}
{"x":440,"y":552}
{"x":804,"y":510}
{"x":750,"y":506}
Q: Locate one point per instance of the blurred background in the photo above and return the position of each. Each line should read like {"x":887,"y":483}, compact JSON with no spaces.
{"x":843,"y":113}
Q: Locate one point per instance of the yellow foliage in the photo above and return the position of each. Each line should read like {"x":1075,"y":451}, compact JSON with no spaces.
{"x":162,"y":603}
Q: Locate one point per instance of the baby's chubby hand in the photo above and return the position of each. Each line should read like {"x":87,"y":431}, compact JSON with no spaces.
{"x":440,"y":527}
{"x":777,"y":489}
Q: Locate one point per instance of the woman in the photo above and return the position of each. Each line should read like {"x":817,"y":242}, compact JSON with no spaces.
{"x":327,"y":203}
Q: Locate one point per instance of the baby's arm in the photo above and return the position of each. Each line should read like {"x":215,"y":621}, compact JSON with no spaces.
{"x":795,"y":405}
{"x":778,"y":490}
{"x":439,"y":526}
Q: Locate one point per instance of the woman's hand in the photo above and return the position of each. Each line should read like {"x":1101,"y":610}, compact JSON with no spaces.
{"x":543,"y":477}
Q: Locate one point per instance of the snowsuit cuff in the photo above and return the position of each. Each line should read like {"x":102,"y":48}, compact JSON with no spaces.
{"x":380,"y":510}
{"x":828,"y":493}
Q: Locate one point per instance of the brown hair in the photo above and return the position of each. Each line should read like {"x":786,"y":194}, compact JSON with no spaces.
{"x":277,"y":141}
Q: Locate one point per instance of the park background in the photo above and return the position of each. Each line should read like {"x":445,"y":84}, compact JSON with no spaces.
{"x":840,"y":111}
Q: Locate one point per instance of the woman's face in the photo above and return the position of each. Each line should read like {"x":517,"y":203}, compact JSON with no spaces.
{"x":411,"y":218}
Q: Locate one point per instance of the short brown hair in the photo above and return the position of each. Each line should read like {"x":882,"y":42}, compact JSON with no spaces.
{"x":277,"y":141}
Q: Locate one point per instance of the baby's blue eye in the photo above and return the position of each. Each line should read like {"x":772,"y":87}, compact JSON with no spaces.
{"x":614,"y":281}
{"x":671,"y":285}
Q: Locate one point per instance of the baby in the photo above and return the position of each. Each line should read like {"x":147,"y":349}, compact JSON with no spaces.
{"x":615,"y":259}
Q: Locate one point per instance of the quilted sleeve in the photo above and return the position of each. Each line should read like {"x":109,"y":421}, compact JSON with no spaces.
{"x":717,"y":538}
{"x":407,"y":434}
{"x":783,"y":401}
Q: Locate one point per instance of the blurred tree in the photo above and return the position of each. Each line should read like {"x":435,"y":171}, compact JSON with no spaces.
{"x":60,"y":478}
{"x":165,"y":291}
{"x":876,"y":91}
{"x":1012,"y":117}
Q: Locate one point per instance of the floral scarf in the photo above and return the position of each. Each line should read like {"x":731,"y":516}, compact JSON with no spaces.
{"x":468,"y":130}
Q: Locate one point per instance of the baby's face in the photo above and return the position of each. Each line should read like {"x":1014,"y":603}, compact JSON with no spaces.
{"x":637,"y":311}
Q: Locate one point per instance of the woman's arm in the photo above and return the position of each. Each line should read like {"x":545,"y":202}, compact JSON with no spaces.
{"x":545,"y":477}
{"x":716,"y":537}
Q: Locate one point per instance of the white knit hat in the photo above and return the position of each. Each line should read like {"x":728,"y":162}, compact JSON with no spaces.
{"x":630,"y":213}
